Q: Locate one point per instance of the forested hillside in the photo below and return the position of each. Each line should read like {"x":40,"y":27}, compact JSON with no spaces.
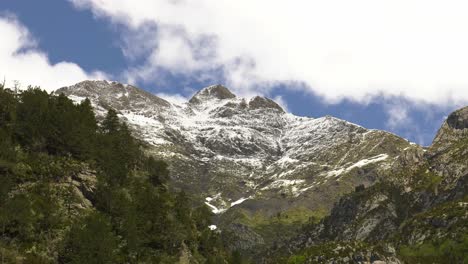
{"x":73,"y":190}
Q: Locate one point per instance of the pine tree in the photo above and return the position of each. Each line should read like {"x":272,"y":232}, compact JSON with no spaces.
{"x":111,"y":123}
{"x":85,"y":134}
{"x":158,"y":173}
{"x":118,"y":152}
{"x":33,"y":119}
{"x":63,"y":119}
{"x":7,"y":109}
{"x":91,"y":240}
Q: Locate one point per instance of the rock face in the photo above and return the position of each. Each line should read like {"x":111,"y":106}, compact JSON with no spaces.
{"x":458,"y":119}
{"x":455,"y":127}
{"x":259,"y":102}
{"x":213,"y":92}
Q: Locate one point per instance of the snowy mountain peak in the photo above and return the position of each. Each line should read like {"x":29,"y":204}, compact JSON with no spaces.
{"x":212,"y":92}
{"x":100,"y":86}
{"x":248,"y":153}
{"x":108,"y":94}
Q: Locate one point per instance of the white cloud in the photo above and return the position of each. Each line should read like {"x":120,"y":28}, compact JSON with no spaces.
{"x":21,"y":61}
{"x":280,"y":100}
{"x":398,"y":115}
{"x":338,"y":48}
{"x":177,"y":99}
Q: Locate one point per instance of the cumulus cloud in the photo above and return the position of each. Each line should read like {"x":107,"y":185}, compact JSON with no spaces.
{"x":338,"y":49}
{"x":177,"y":99}
{"x":398,"y":115}
{"x":21,"y":61}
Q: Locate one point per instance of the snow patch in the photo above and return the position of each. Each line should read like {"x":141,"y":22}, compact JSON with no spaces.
{"x":76,"y":99}
{"x":215,"y":209}
{"x":241,"y":200}
{"x":359,"y":164}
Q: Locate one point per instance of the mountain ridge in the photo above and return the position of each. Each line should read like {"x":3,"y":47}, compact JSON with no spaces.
{"x":250,"y":157}
{"x":223,"y":111}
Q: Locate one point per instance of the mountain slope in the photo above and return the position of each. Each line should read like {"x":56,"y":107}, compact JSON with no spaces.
{"x":249,"y":154}
{"x":418,"y":215}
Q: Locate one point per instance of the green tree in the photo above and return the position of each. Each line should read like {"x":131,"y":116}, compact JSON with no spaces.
{"x":19,"y":218}
{"x":85,"y":134}
{"x":117,"y":151}
{"x":33,"y":120}
{"x":6,"y":185}
{"x":111,"y":123}
{"x":236,"y":258}
{"x":90,"y":240}
{"x":8,"y":104}
{"x":157,"y":170}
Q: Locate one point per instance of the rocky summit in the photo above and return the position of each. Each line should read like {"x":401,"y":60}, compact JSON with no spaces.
{"x":248,"y":158}
{"x":249,"y":153}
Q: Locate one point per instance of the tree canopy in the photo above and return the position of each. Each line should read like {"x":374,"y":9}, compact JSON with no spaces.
{"x":50,"y":214}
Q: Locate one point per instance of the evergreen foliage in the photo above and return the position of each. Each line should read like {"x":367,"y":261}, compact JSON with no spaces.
{"x":46,"y":141}
{"x":440,"y":251}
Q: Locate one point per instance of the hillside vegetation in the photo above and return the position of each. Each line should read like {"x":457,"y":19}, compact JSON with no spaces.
{"x":77,"y":190}
{"x":73,"y":190}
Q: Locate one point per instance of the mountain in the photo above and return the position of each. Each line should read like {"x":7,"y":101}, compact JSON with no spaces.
{"x":419,"y":214}
{"x":246,"y":183}
{"x":248,"y":159}
{"x":235,"y":150}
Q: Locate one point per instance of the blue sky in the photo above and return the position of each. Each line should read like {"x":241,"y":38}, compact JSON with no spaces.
{"x":79,"y":39}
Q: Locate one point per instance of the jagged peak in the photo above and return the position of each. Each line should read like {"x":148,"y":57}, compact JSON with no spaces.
{"x":217,"y":91}
{"x":259,"y":102}
{"x":103,"y":90}
{"x":96,"y":86}
{"x":458,"y":119}
{"x":454,"y":128}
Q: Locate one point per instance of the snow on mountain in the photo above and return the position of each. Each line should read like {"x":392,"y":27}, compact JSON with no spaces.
{"x":227,"y":148}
